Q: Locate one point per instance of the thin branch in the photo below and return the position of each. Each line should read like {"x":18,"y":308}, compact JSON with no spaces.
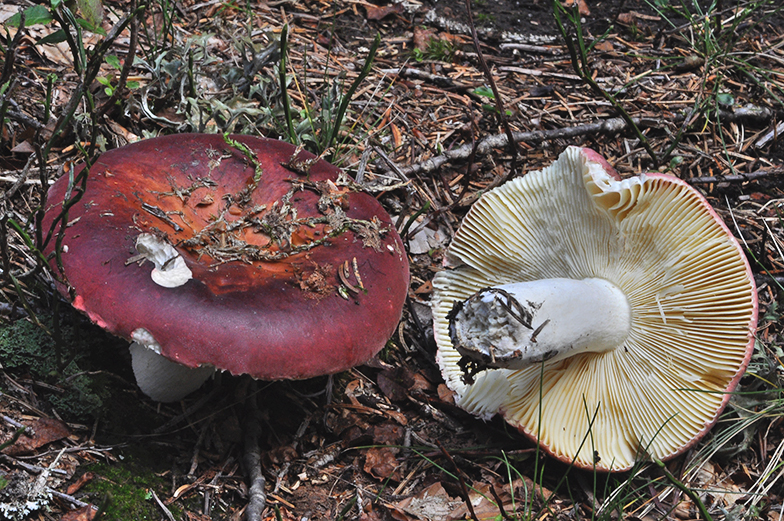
{"x":499,"y":103}
{"x":735,"y":178}
{"x":10,"y":50}
{"x":578,"y":53}
{"x":162,"y":506}
{"x":609,"y":126}
{"x":252,"y":459}
{"x":463,"y":486}
{"x":122,"y":82}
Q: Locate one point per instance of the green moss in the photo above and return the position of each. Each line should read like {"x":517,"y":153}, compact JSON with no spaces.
{"x":24,"y":346}
{"x":28,"y":351}
{"x":128,"y":486}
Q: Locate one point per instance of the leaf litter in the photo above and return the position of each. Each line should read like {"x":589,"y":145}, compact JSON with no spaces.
{"x":385,"y":441}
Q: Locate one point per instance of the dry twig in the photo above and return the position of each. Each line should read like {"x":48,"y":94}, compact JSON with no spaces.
{"x":252,"y":459}
{"x":609,"y":126}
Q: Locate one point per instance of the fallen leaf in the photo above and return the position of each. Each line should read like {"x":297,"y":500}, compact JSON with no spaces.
{"x":80,"y":514}
{"x":422,"y":37}
{"x":23,"y":147}
{"x":398,"y":137}
{"x":582,"y":7}
{"x":424,"y":289}
{"x":390,"y":385}
{"x":371,"y":515}
{"x":122,"y":132}
{"x":604,"y":46}
{"x":445,"y":394}
{"x":281,"y":455}
{"x":378,"y":12}
{"x":380,"y":462}
{"x":720,"y":485}
{"x":484,"y":504}
{"x":58,"y":53}
{"x":397,"y":416}
{"x":388,"y":434}
{"x":426,"y":240}
{"x":420,"y":383}
{"x":74,"y":487}
{"x":432,"y":504}
{"x":45,"y":430}
{"x":419,"y":136}
{"x":354,"y":436}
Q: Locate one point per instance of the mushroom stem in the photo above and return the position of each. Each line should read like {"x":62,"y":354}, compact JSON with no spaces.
{"x":513,"y":326}
{"x":162,"y":379}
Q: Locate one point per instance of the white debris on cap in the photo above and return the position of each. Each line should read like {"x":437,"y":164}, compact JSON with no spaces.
{"x":170,"y":270}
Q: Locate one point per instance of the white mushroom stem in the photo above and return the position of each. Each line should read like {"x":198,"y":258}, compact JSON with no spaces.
{"x":160,"y":378}
{"x":513,"y":326}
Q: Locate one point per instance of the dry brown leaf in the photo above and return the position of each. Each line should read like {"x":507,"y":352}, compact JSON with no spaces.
{"x":445,"y":394}
{"x":419,"y":136}
{"x":379,"y":12}
{"x":80,"y":514}
{"x":484,"y":505}
{"x":396,"y":135}
{"x":122,"y":132}
{"x":432,"y":504}
{"x":77,"y":485}
{"x":58,"y":53}
{"x":380,"y":462}
{"x":604,"y":46}
{"x":372,"y":515}
{"x":422,"y":37}
{"x":388,"y":382}
{"x":719,"y":485}
{"x":420,"y":383}
{"x":46,"y":430}
{"x":23,"y":147}
{"x":424,"y":289}
{"x":388,"y":434}
{"x":582,"y":6}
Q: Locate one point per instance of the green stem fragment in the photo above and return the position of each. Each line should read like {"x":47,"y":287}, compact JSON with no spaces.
{"x":686,"y":490}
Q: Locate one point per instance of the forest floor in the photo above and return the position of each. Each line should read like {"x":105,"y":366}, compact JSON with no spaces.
{"x":702,"y":83}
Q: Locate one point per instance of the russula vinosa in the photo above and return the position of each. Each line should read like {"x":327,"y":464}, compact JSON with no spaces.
{"x":237,"y":253}
{"x":626,"y":305}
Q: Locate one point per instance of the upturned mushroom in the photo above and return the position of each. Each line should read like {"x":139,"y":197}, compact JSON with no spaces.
{"x":239,"y":254}
{"x":608,"y":319}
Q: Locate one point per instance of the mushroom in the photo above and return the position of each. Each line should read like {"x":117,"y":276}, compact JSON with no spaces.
{"x":608,"y":319}
{"x":240,"y":254}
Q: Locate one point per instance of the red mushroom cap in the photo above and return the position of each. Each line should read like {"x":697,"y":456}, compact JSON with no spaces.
{"x":244,"y":311}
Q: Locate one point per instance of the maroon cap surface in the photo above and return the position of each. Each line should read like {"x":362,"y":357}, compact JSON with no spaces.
{"x":243,"y":311}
